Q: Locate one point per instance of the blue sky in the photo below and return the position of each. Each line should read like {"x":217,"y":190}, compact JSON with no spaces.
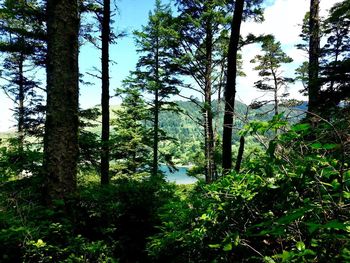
{"x":132,"y":15}
{"x":282,"y":18}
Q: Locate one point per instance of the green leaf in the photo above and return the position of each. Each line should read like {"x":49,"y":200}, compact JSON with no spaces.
{"x":336,"y":185}
{"x":292,"y":216}
{"x":335,"y":224}
{"x":227,"y":247}
{"x":300,"y":246}
{"x":346,"y":195}
{"x":312,"y":227}
{"x":316,"y":146}
{"x":268,"y":260}
{"x":214,"y":245}
{"x":301,"y":127}
{"x":286,"y":255}
{"x":330,"y":146}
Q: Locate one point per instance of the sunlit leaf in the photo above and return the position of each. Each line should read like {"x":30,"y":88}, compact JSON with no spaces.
{"x":227,"y":247}
{"x":300,"y":246}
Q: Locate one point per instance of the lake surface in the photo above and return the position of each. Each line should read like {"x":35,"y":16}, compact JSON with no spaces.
{"x":178,"y":177}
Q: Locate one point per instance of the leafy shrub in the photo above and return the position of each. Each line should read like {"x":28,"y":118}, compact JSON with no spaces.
{"x":288,"y":205}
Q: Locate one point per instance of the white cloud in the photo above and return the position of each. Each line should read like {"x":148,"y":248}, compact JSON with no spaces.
{"x":282,"y":19}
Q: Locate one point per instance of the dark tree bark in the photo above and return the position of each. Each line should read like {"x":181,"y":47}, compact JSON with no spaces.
{"x":208,"y":115}
{"x":105,"y":92}
{"x":275,"y":92}
{"x":230,"y":89}
{"x":61,"y":127}
{"x":240,"y":154}
{"x":21,"y":107}
{"x":314,"y":52}
{"x":156,"y":110}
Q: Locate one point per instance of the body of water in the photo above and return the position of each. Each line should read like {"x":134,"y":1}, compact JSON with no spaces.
{"x":179,"y":177}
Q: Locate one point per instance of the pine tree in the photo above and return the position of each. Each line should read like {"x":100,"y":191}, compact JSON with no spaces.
{"x":61,"y":127}
{"x":156,"y":70}
{"x":335,"y":61}
{"x":314,"y":53}
{"x":131,"y":138}
{"x":230,"y":88}
{"x":269,"y":67}
{"x":332,"y":63}
{"x":203,"y":29}
{"x":243,"y":9}
{"x":105,"y":39}
{"x":102,"y":14}
{"x":23,"y":45}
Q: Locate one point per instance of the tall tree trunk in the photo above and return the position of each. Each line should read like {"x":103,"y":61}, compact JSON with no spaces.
{"x":156,"y":132}
{"x":314,"y":52}
{"x":105,"y":92}
{"x":240,"y":154}
{"x":156,"y":113}
{"x":21,"y":97}
{"x":275,"y":92}
{"x":208,"y":114}
{"x":230,"y":89}
{"x":61,"y":127}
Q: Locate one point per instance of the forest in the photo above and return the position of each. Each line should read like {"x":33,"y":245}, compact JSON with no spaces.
{"x":86,"y":185}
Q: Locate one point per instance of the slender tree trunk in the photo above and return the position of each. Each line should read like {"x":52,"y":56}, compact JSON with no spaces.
{"x":156,"y":113}
{"x":156,"y":132}
{"x":240,"y":154}
{"x":275,"y":92}
{"x":21,"y":97}
{"x":61,"y":127}
{"x":230,"y":89}
{"x":314,"y":52}
{"x":208,"y":114}
{"x":336,"y":56}
{"x":105,"y":93}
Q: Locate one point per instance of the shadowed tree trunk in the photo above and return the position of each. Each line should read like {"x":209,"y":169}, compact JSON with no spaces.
{"x":208,"y":115}
{"x":240,"y":154}
{"x":230,"y":89}
{"x":61,"y":127}
{"x":21,"y":109}
{"x":314,"y":52}
{"x":105,"y":92}
{"x":156,"y":107}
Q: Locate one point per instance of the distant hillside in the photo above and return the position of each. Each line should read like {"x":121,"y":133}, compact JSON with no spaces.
{"x":186,"y":125}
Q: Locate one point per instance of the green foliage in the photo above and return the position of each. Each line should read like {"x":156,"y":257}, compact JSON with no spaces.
{"x":101,"y":225}
{"x":287,"y":205}
{"x":131,"y":138}
{"x":89,"y":144}
{"x":18,"y":160}
{"x":269,"y":67}
{"x":334,"y":75}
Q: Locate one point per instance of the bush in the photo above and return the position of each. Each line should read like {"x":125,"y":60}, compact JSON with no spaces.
{"x":288,"y":205}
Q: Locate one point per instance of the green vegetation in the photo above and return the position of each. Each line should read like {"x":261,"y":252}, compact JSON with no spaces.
{"x":288,"y":204}
{"x":73,"y":190}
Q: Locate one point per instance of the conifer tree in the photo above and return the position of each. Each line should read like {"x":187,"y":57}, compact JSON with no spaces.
{"x":230,"y":89}
{"x":105,"y":41}
{"x":102,"y":14}
{"x":156,"y":70}
{"x":22,"y":42}
{"x":61,"y":127}
{"x":203,"y":28}
{"x":243,"y":9}
{"x":332,"y":63}
{"x":269,"y":67}
{"x":131,"y":138}
{"x":335,"y":60}
{"x":314,"y":53}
